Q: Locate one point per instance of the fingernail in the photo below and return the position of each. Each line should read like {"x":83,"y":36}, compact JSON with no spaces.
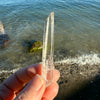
{"x":38,"y":82}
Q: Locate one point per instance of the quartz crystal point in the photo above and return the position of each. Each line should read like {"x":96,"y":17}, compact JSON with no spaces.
{"x":48,"y":49}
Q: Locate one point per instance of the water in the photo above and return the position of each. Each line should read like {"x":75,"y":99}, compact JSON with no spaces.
{"x":77,"y":29}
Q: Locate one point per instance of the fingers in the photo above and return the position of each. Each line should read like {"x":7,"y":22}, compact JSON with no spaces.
{"x":14,"y":83}
{"x":51,"y":91}
{"x":27,"y":73}
{"x":22,"y":77}
{"x":17,"y":81}
{"x":56,"y":75}
{"x":34,"y":90}
{"x":6,"y":93}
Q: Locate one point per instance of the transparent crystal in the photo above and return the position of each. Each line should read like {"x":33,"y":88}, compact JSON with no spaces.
{"x":48,"y":50}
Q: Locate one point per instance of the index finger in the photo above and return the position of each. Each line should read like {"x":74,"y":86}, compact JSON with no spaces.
{"x":17,"y":81}
{"x":22,"y":77}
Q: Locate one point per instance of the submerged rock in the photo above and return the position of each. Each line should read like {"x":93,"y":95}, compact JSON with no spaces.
{"x":4,"y":38}
{"x":34,"y":46}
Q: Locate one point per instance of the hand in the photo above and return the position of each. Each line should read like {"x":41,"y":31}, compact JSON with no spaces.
{"x":28,"y":84}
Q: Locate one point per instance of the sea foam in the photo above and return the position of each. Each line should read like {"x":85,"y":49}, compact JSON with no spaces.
{"x":90,"y":59}
{"x":9,"y":71}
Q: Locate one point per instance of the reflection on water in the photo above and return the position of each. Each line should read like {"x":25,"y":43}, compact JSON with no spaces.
{"x":77,"y":29}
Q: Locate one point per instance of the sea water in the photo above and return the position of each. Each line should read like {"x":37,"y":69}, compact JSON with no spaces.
{"x":77,"y":30}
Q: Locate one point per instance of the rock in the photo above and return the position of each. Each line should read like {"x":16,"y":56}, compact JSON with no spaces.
{"x":4,"y":38}
{"x":61,"y":82}
{"x":34,"y":46}
{"x":66,"y":81}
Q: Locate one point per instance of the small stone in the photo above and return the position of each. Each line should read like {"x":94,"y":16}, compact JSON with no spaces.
{"x":66,"y":81}
{"x":61,"y":82}
{"x":4,"y":38}
{"x":71,"y":71}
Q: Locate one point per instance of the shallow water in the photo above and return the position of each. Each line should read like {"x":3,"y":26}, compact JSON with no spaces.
{"x":77,"y":29}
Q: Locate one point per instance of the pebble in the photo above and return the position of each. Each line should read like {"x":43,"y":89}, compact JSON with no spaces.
{"x":66,"y":81}
{"x":60,"y":83}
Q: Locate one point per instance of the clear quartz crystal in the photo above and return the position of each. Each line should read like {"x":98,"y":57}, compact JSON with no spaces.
{"x":48,"y":49}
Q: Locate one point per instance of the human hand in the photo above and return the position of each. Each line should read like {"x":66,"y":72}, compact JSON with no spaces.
{"x":28,"y":84}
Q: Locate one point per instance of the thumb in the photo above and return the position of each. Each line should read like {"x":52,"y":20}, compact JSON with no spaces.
{"x":34,"y":90}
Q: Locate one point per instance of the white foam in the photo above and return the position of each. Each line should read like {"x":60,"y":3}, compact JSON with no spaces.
{"x":81,"y":60}
{"x":90,"y":59}
{"x":9,"y":71}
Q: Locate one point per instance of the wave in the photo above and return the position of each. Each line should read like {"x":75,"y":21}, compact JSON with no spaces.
{"x":9,"y":71}
{"x":90,"y":59}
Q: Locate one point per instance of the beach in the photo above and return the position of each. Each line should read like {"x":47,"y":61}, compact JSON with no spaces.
{"x":76,"y":42}
{"x":77,"y":82}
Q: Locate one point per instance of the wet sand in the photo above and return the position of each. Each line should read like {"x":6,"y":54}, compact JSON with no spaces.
{"x":77,"y":82}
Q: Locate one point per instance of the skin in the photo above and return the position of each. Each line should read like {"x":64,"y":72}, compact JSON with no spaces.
{"x":28,"y":84}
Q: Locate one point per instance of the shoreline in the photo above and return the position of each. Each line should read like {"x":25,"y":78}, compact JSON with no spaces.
{"x":73,"y":80}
